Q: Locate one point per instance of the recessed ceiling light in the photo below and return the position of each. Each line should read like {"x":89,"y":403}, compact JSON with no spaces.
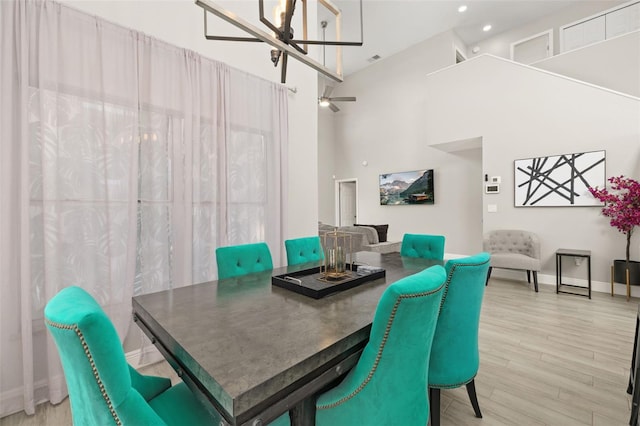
{"x":486,"y":28}
{"x":462,"y":8}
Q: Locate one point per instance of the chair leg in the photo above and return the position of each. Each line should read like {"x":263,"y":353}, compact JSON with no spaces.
{"x":535,"y":280}
{"x":434,"y":402}
{"x":488,"y":276}
{"x":529,"y":276}
{"x":471,"y":390}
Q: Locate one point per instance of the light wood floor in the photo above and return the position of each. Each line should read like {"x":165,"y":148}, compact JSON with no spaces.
{"x":546,"y":359}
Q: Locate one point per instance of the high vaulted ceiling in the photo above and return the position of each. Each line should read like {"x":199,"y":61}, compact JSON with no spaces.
{"x":391,"y":26}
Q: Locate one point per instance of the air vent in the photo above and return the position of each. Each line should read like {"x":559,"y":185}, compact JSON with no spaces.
{"x":374,"y":58}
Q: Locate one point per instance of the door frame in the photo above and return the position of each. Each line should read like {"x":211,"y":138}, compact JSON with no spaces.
{"x":337,"y":198}
{"x":548,"y":33}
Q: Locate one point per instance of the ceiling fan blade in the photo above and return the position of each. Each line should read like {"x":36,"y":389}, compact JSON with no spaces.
{"x":334,"y":108}
{"x":327,"y":91}
{"x":344,"y":99}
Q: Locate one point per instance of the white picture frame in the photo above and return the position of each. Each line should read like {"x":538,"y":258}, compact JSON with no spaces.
{"x":559,"y":180}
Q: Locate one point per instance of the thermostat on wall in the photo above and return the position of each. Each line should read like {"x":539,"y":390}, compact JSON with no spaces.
{"x":492,"y":188}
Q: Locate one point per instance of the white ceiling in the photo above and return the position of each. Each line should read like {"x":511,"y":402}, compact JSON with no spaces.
{"x":391,"y":26}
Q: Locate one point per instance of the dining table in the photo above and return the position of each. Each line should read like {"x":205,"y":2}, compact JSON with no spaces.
{"x":251,"y":351}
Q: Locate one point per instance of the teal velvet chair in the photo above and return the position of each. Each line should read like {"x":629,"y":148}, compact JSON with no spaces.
{"x":303,"y":250}
{"x":454,"y":354}
{"x":388,"y":384}
{"x":103,"y":388}
{"x":235,"y":261}
{"x":423,"y":246}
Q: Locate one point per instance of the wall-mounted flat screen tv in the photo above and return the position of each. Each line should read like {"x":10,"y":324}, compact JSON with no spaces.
{"x":404,"y":188}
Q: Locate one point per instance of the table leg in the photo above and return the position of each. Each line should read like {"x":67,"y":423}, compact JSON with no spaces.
{"x":558,"y":259}
{"x":589,"y":274}
{"x":304,"y":413}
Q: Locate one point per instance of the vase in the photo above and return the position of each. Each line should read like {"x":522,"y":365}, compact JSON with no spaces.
{"x":620,"y":271}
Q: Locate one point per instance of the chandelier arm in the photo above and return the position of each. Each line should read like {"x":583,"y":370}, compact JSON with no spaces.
{"x":238,"y":22}
{"x":283,"y":73}
{"x":264,"y":20}
{"x":270,"y":25}
{"x":329,"y":43}
{"x":298,"y":48}
{"x":286,"y":31}
{"x":225,"y":38}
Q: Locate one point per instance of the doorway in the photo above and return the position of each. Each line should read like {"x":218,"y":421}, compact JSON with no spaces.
{"x":533,"y":49}
{"x":346,"y":202}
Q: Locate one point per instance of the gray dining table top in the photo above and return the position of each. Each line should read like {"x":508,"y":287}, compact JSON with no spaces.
{"x":247,"y":341}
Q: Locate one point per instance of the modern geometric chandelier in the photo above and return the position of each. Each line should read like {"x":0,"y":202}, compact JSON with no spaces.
{"x":281,"y":36}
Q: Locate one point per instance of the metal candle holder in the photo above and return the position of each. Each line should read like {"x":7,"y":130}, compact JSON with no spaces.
{"x":338,"y":249}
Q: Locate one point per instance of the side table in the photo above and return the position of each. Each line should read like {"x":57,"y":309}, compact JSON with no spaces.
{"x":560,"y":253}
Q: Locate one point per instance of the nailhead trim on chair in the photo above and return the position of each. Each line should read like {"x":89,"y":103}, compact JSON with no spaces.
{"x":380,"y":349}
{"x":87,"y":352}
{"x":448,"y":280}
{"x":444,"y":296}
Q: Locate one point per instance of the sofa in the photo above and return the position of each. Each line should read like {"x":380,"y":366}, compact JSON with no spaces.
{"x":364,"y":238}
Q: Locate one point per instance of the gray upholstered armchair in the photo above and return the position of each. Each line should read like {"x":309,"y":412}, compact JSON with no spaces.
{"x":514,"y":249}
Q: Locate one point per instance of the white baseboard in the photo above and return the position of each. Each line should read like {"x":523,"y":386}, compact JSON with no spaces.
{"x":596,"y":286}
{"x":143,"y":357}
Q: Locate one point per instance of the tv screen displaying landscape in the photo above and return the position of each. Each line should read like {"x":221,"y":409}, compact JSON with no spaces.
{"x":403,"y":188}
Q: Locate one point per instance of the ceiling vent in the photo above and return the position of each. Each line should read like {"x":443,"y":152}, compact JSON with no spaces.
{"x":374,"y":58}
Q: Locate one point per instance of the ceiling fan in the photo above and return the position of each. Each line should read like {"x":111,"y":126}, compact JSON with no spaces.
{"x":326,"y":101}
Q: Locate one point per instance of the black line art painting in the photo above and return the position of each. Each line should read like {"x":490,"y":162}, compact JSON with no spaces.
{"x":559,"y":180}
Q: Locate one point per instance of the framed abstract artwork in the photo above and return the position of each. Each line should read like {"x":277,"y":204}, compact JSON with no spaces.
{"x":415,"y":187}
{"x":559,"y":180}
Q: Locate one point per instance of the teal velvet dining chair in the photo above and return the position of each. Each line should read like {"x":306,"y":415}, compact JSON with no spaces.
{"x":454,"y":353}
{"x":103,"y":387}
{"x":388,"y":384}
{"x":423,"y":246}
{"x":303,"y":250}
{"x":235,"y":261}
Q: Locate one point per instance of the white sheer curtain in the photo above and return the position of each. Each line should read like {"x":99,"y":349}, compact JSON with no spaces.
{"x":124,"y":162}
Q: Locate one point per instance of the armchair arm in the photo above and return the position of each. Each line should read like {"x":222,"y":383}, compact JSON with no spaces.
{"x":486,"y":243}
{"x":535,"y":246}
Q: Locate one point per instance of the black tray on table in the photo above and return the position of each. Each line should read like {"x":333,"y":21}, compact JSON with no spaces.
{"x":308,"y":282}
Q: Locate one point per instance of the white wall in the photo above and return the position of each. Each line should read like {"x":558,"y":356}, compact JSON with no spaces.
{"x":500,"y":44}
{"x":522,"y":112}
{"x":613,"y":63}
{"x":385,"y":128}
{"x":180,"y":23}
{"x":516,"y":111}
{"x":327,"y":167}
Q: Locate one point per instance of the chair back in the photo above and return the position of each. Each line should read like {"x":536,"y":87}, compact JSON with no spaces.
{"x":512,"y":241}
{"x":234,"y":261}
{"x":97,"y":374}
{"x":388,"y":385}
{"x":423,"y":246}
{"x":454,"y":354}
{"x":303,"y":250}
